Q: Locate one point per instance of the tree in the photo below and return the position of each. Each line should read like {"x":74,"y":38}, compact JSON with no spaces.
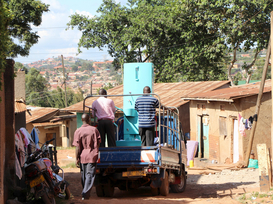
{"x":170,"y":33}
{"x":244,"y":25}
{"x":20,"y":66}
{"x":106,"y":87}
{"x":74,"y":68}
{"x":16,"y":17}
{"x":56,"y":98}
{"x":24,"y":13}
{"x":257,"y":74}
{"x":4,"y":19}
{"x":36,"y":88}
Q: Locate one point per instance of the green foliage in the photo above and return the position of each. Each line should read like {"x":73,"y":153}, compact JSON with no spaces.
{"x":257,"y":74}
{"x":24,"y":13}
{"x":238,"y":77}
{"x":243,"y":197}
{"x":57,"y":97}
{"x":186,"y":40}
{"x":37,"y":93}
{"x":106,"y":87}
{"x":36,"y":88}
{"x":4,"y":19}
{"x":20,"y":66}
{"x":74,"y":68}
{"x":169,"y":33}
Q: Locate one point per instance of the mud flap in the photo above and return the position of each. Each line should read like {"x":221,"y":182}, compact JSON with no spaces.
{"x":156,"y":180}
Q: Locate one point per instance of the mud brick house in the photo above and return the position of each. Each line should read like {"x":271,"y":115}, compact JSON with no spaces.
{"x":215,"y":121}
{"x":51,"y":123}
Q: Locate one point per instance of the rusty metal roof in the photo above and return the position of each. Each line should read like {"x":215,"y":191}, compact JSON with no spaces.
{"x":228,"y":94}
{"x":170,"y":93}
{"x":46,"y":124}
{"x":40,"y":114}
{"x":20,"y":107}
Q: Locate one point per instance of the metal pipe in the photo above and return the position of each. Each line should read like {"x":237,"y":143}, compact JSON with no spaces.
{"x":123,"y":96}
{"x":208,"y":99}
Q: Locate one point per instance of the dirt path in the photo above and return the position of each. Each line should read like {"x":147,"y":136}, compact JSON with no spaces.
{"x":225,"y":186}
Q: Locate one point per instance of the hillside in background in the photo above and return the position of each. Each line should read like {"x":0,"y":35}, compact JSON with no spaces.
{"x":79,"y":73}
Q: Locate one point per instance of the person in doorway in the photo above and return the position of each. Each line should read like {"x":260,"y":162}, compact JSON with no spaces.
{"x":104,"y":109}
{"x":146,"y":107}
{"x":87,"y":140}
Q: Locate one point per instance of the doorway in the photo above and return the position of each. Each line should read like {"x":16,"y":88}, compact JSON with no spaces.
{"x":235,"y":141}
{"x":203,"y":135}
{"x":50,"y":136}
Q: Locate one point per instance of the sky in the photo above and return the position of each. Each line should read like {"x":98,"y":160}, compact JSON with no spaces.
{"x":55,"y":40}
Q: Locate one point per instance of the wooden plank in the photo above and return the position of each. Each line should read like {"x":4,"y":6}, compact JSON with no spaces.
{"x":263,"y":167}
{"x":269,"y":167}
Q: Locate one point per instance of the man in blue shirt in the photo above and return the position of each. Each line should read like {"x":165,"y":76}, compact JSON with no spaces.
{"x":146,"y":107}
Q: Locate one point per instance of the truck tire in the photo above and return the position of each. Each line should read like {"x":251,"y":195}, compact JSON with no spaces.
{"x":108,"y":190}
{"x":100,"y":191}
{"x":164,"y":188}
{"x":179,"y":188}
{"x":155,"y":191}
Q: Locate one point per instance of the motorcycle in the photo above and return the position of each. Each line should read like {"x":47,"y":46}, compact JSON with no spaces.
{"x":41,"y":180}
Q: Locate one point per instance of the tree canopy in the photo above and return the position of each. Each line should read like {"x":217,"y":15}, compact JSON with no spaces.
{"x":186,"y":40}
{"x":38,"y":94}
{"x":4,"y":19}
{"x":24,"y":13}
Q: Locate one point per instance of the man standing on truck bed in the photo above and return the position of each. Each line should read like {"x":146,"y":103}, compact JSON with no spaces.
{"x":146,"y":107}
{"x":105,"y":112}
{"x":87,"y":141}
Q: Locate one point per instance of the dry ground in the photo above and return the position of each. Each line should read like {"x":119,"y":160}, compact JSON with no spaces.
{"x":227,"y":186}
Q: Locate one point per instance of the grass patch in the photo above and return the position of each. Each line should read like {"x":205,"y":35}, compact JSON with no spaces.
{"x":255,"y":194}
{"x":242,"y":198}
{"x":263,"y":195}
{"x":62,"y":148}
{"x":70,"y":165}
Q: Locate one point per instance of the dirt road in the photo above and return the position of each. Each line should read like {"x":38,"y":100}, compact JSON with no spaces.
{"x":225,"y":186}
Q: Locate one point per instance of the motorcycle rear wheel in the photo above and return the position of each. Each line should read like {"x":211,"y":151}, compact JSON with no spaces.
{"x":47,"y":200}
{"x":67,"y":193}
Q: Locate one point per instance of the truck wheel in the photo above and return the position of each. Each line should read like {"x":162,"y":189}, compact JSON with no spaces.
{"x":179,"y":188}
{"x":108,"y":190}
{"x":99,"y":191}
{"x":122,"y":187}
{"x":164,"y":188}
{"x":155,"y":191}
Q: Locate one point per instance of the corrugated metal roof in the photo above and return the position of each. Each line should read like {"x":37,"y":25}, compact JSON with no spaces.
{"x":170,"y":93}
{"x":231,"y":93}
{"x":20,"y":107}
{"x":41,"y":114}
{"x":46,"y":124}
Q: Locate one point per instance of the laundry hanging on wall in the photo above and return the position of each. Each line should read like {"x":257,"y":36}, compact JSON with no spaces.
{"x":246,"y":124}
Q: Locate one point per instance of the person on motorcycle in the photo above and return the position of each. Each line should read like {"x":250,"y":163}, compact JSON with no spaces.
{"x":87,"y":141}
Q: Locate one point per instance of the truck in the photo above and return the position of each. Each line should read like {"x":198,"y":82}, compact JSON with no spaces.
{"x":129,"y":165}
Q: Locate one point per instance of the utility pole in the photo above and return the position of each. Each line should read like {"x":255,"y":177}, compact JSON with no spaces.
{"x":64,"y":81}
{"x":258,"y":103}
{"x":91,"y":84}
{"x":271,"y":33}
